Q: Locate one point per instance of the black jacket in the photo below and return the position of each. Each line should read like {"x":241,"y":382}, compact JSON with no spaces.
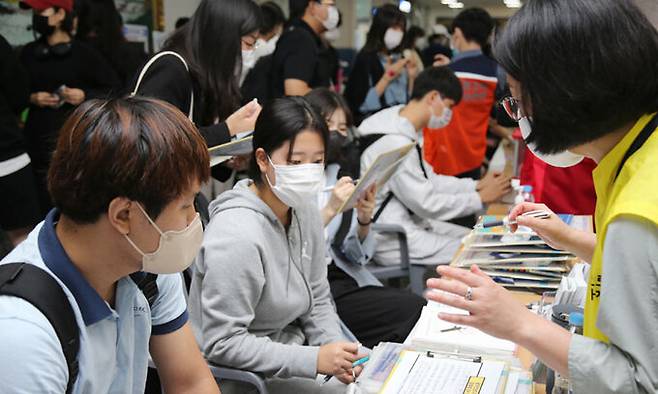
{"x":14,"y":97}
{"x":167,"y":79}
{"x":83,"y":68}
{"x":366,"y":72}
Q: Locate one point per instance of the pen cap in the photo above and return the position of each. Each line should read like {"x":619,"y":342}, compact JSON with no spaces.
{"x":576,"y":319}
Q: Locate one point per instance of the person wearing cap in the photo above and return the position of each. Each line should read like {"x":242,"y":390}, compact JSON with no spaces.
{"x":63,"y":73}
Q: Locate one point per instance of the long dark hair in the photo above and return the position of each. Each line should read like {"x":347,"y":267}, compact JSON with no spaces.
{"x":282,"y":120}
{"x":384,"y":17}
{"x":211,"y":44}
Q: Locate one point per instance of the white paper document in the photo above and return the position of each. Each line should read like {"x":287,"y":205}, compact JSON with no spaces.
{"x":379,"y":172}
{"x":432,"y":333}
{"x":416,"y":373}
{"x":223,"y":152}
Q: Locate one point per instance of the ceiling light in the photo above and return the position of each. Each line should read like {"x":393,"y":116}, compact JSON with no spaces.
{"x":456,"y":5}
{"x":513,"y":3}
{"x":405,"y":6}
{"x":448,"y":1}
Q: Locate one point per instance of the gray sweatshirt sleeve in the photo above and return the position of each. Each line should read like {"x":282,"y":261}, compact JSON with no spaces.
{"x":233,"y":280}
{"x":628,"y":315}
{"x":431,"y":200}
{"x":321,"y":325}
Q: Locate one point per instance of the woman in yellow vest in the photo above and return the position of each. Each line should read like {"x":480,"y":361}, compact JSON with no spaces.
{"x":584,"y":81}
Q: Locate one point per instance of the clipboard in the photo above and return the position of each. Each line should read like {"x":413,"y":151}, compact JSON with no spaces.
{"x":425,"y":372}
{"x":223,"y":152}
{"x":381,"y":170}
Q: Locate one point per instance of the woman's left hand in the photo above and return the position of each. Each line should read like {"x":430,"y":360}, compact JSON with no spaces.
{"x":366,"y":204}
{"x":492,"y":309}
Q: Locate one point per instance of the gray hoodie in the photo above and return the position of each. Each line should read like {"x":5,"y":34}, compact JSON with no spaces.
{"x":258,"y":294}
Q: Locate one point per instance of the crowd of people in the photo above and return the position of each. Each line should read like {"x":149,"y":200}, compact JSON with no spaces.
{"x":104,"y":152}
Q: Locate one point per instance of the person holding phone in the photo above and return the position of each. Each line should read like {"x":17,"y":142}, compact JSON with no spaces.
{"x":63,"y":72}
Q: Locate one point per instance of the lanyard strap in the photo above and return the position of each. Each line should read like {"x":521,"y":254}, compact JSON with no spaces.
{"x":641,"y":138}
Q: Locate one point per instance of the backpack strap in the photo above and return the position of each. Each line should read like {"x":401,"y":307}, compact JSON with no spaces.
{"x":148,"y":284}
{"x":150,"y":62}
{"x":40,"y":289}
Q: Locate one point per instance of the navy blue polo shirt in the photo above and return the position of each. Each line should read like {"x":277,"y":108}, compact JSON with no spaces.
{"x":114,"y":342}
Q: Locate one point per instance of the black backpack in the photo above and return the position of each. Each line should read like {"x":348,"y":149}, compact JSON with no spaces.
{"x":40,"y":289}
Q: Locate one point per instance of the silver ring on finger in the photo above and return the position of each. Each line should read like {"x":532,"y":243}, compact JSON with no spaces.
{"x":469,"y":294}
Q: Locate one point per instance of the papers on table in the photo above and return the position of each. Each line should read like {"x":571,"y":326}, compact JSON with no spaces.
{"x":379,"y":172}
{"x":434,"y":334}
{"x":573,"y":288}
{"x":424,"y":373}
{"x":521,"y":259}
{"x":223,"y":152}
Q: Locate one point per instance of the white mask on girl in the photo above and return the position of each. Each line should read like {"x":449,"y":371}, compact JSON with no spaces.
{"x":393,"y":38}
{"x":296,"y":185}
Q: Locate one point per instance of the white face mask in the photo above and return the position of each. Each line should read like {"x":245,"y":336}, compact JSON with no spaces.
{"x":393,"y":38}
{"x":296,"y":185}
{"x":248,"y":59}
{"x":562,"y":159}
{"x":332,"y":35}
{"x":439,"y":122}
{"x":176,"y":249}
{"x":266,"y":48}
{"x":332,"y":18}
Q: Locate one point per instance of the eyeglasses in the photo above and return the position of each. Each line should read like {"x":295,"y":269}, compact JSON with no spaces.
{"x":251,"y":45}
{"x":513,"y":108}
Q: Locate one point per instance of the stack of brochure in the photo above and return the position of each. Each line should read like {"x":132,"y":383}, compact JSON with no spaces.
{"x":520,"y":259}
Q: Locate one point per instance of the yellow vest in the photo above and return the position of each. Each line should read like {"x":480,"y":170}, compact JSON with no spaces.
{"x":634,"y":193}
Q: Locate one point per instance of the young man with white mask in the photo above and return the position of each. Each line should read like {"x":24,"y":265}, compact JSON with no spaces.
{"x":415,"y":197}
{"x":299,"y":63}
{"x":260,"y":299}
{"x":381,"y":77}
{"x":123,"y":179}
{"x":460,"y":150}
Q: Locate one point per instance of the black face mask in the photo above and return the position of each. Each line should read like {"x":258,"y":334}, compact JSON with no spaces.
{"x":336,"y":146}
{"x":40,"y":25}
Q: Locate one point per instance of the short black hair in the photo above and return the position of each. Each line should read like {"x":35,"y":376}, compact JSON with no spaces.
{"x":411,"y":35}
{"x":442,"y":79}
{"x":476,"y":25}
{"x":272,"y":16}
{"x":587,"y":73}
{"x":282,"y":120}
{"x":297,"y":8}
{"x":181,"y":21}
